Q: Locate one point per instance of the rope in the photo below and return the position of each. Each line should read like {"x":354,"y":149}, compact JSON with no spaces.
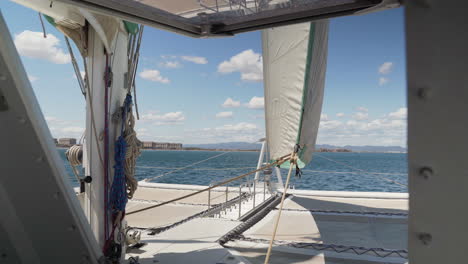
{"x":292,"y":162}
{"x":133,"y":150}
{"x":278,"y":162}
{"x":364,"y":171}
{"x":75,"y":156}
{"x":190,"y":165}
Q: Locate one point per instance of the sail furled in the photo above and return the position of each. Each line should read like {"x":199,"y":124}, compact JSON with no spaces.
{"x":294,"y":66}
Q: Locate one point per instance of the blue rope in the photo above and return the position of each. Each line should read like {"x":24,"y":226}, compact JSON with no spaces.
{"x":118,"y":199}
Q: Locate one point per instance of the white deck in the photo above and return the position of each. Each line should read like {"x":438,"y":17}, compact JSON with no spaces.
{"x":370,"y":220}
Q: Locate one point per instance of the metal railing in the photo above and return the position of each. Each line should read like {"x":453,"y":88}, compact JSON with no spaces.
{"x":247,"y":189}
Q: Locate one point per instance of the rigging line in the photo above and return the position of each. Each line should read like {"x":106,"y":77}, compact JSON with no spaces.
{"x":278,"y":162}
{"x":201,"y":169}
{"x":42,"y":24}
{"x":349,"y":166}
{"x":352,"y":172}
{"x":76,"y":68}
{"x":190,"y":165}
{"x":292,"y":163}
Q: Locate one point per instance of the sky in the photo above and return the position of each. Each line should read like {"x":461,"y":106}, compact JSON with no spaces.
{"x":197,"y":91}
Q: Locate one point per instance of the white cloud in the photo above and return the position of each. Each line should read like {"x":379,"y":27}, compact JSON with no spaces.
{"x":32,"y":78}
{"x":362,"y":109}
{"x":65,"y":128}
{"x":360,"y":116}
{"x":195,"y":59}
{"x":388,"y":130}
{"x":224,"y":115}
{"x":340,"y":114}
{"x":401,"y":113}
{"x":243,"y":126}
{"x":170,"y":64}
{"x":239,"y":132}
{"x":167,"y":118}
{"x":153,"y":75}
{"x":34,"y":45}
{"x":383,"y":81}
{"x":256,"y":103}
{"x":230,"y":103}
{"x":73,"y":130}
{"x":386,"y":67}
{"x":323,"y":117}
{"x":248,"y":63}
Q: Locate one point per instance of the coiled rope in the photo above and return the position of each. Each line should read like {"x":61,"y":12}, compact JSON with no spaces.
{"x":132,"y":152}
{"x":75,"y":157}
{"x":127,"y":150}
{"x":278,"y":162}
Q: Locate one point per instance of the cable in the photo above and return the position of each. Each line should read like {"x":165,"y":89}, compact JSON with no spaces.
{"x":344,"y":164}
{"x":190,"y":165}
{"x":278,"y":162}
{"x":201,"y":169}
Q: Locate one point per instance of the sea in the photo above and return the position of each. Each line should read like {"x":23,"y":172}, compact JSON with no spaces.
{"x":331,"y":171}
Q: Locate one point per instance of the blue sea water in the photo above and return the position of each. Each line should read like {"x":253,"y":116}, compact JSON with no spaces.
{"x":327,"y":171}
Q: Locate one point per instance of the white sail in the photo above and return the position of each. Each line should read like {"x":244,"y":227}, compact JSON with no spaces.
{"x":294,"y":65}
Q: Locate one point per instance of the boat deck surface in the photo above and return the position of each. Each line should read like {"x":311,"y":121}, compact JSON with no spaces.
{"x":344,"y":220}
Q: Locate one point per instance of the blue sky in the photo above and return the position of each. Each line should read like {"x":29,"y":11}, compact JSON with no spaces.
{"x":183,"y":82}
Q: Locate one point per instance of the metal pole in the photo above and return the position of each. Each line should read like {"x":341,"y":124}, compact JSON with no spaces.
{"x":209,"y":198}
{"x":260,"y":160}
{"x":227,"y":193}
{"x":240,"y":199}
{"x":254,"y":192}
{"x":264,"y":187}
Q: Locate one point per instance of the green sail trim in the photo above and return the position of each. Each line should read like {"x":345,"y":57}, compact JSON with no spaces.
{"x":310,"y":48}
{"x":51,"y":20}
{"x":131,"y":28}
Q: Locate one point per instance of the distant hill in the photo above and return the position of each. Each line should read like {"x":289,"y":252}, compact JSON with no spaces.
{"x":366,"y":148}
{"x":257,"y":145}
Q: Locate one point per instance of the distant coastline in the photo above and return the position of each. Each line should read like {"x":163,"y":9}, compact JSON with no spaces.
{"x":244,"y":147}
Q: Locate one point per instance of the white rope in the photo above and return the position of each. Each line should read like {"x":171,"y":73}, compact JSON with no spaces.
{"x":190,"y":165}
{"x":292,"y":163}
{"x":74,"y":156}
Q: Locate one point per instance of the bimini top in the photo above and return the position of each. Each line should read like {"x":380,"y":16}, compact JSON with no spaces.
{"x":204,"y":18}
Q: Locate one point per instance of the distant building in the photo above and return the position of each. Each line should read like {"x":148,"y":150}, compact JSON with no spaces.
{"x":148,"y":144}
{"x":67,"y":141}
{"x":165,"y":145}
{"x":55,"y":141}
{"x":161,"y":145}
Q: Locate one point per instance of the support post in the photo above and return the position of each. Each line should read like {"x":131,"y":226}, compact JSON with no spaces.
{"x":260,"y":160}
{"x":437,"y":63}
{"x":95,"y":97}
{"x":240,"y":200}
{"x":209,"y":198}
